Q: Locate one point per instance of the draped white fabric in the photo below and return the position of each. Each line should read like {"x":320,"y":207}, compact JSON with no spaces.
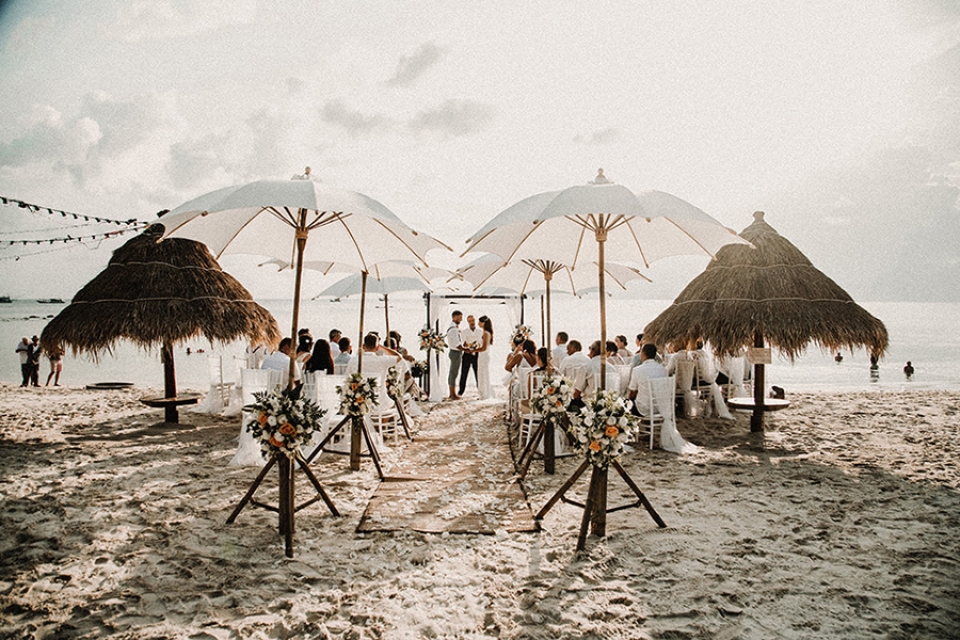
{"x":662,"y":391}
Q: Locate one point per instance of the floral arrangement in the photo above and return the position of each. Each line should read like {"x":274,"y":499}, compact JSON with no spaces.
{"x":358,"y":395}
{"x":602,"y":426}
{"x":392,"y":383}
{"x":281,"y":423}
{"x":521,"y":332}
{"x":552,"y":398}
{"x":418,"y":368}
{"x":431,"y":340}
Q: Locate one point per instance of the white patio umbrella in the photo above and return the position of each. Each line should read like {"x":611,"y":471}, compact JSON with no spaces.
{"x":390,"y":276}
{"x":536,"y":277}
{"x":597,"y":222}
{"x":276,"y":217}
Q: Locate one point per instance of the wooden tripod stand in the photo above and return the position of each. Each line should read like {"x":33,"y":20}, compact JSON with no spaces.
{"x":595,"y":508}
{"x":358,"y":429}
{"x":287,"y":507}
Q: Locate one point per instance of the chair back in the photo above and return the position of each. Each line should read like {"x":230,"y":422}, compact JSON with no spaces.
{"x":686,"y":370}
{"x":662,"y":392}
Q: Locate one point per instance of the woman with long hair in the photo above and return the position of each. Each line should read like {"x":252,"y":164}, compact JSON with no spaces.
{"x":321,"y":359}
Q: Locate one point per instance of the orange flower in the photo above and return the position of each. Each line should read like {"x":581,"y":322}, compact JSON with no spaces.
{"x":594,"y":446}
{"x":359,"y":399}
{"x":263,"y":419}
{"x":551,"y":390}
{"x":288,"y":429}
{"x":353,"y":386}
{"x":276,"y":443}
{"x":612,"y":431}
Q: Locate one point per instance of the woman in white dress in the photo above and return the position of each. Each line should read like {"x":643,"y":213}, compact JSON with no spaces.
{"x":483,"y":359}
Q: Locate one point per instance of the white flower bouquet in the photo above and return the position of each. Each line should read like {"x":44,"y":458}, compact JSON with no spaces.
{"x":282,"y":424}
{"x":358,"y":395}
{"x":431,"y":340}
{"x":552,"y":398}
{"x":602,"y":426}
{"x":521,"y":332}
{"x":392,"y":383}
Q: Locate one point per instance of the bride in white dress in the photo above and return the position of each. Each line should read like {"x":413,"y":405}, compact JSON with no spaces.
{"x":483,"y":360}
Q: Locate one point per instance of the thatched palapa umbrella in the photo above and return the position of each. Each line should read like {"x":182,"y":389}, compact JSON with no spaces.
{"x":770,"y":295}
{"x":157,"y":292}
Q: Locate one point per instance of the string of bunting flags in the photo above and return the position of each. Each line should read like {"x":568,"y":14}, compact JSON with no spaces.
{"x":131,"y":225}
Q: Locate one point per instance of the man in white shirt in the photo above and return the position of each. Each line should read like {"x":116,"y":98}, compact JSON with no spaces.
{"x":573,"y":365}
{"x":345,"y":351}
{"x":376,"y":358}
{"x":560,"y":351}
{"x":471,"y":339}
{"x":454,"y":353}
{"x":279,"y":360}
{"x":648,"y":369}
{"x":335,"y":336}
{"x":586,"y":383}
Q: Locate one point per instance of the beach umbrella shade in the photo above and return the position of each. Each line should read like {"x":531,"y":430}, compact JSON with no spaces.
{"x":770,"y":295}
{"x":597,"y":222}
{"x":276,"y":218}
{"x":159,"y":293}
{"x":542,"y":277}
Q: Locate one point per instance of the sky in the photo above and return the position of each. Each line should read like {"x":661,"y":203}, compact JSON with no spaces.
{"x":838,"y":118}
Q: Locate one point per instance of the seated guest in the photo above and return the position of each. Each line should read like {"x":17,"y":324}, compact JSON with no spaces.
{"x":586,"y":377}
{"x":613,"y":354}
{"x":622,"y":350}
{"x":648,"y":369}
{"x":376,"y":357}
{"x":335,"y":336}
{"x":345,"y":350}
{"x":279,"y":360}
{"x":560,"y":351}
{"x":574,"y":359}
{"x":523,"y":354}
{"x":321,"y":359}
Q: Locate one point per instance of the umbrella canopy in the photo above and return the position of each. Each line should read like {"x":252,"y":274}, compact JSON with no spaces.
{"x":773,"y":290}
{"x":598,"y":221}
{"x":276,"y":217}
{"x":770,"y":295}
{"x":157,"y":292}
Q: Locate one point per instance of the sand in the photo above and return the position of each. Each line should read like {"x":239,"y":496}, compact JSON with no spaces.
{"x":840,"y":521}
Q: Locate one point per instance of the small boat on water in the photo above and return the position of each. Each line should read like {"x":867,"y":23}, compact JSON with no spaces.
{"x":5,"y":299}
{"x":51,"y":301}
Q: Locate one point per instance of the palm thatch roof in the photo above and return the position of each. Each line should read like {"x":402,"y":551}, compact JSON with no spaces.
{"x":154,"y":292}
{"x":772,"y":290}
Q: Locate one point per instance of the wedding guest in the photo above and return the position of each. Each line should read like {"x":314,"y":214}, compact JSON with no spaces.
{"x":613,"y":354}
{"x":334,"y":339}
{"x":344,"y":351}
{"x":33,"y":355}
{"x":279,"y":360}
{"x":622,"y":351}
{"x":524,"y":354}
{"x":321,"y":359}
{"x":648,"y":369}
{"x":560,"y":351}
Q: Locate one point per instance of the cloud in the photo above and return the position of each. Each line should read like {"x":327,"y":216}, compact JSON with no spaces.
{"x":599,"y":137}
{"x":336,"y":112}
{"x":454,"y":118}
{"x":413,"y":66}
{"x":194,"y":162}
{"x":48,"y":137}
{"x":160,"y":19}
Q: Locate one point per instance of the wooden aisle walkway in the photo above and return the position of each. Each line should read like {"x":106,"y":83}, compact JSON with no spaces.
{"x":456,"y":477}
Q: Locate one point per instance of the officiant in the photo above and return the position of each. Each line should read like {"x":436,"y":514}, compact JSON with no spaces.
{"x":472,"y":338}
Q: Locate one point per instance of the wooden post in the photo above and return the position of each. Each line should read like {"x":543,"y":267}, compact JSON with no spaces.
{"x":598,"y":486}
{"x":169,"y":382}
{"x":363,"y":307}
{"x":287,"y":501}
{"x":549,"y":443}
{"x":301,"y":243}
{"x":601,"y":234}
{"x":386,"y":315}
{"x":756,"y":420}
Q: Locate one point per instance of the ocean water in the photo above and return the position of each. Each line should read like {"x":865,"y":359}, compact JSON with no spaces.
{"x":928,"y":334}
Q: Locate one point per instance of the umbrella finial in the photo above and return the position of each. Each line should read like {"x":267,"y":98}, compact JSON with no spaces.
{"x":600,"y":179}
{"x":758,"y":216}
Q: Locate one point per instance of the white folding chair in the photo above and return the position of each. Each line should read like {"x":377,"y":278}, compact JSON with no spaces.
{"x":661,"y":396}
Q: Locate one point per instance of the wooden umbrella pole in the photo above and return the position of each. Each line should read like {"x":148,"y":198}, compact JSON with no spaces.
{"x":356,"y":425}
{"x":601,"y":240}
{"x":301,"y":241}
{"x":386,"y":314}
{"x":549,"y":444}
{"x":756,"y":420}
{"x":543,"y":315}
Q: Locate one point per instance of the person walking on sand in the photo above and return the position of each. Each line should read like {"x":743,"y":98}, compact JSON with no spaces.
{"x":454,"y":354}
{"x":56,"y":366}
{"x":908,"y":370}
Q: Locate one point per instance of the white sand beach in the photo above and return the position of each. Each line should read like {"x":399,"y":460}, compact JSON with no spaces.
{"x":839,"y":522}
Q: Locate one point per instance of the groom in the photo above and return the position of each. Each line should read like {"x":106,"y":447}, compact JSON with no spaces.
{"x":454,"y":353}
{"x":472,"y":338}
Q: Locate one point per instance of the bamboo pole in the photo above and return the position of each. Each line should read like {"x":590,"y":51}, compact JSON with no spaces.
{"x":549,"y":443}
{"x":601,"y":233}
{"x":756,"y":420}
{"x":301,"y":243}
{"x":169,"y":382}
